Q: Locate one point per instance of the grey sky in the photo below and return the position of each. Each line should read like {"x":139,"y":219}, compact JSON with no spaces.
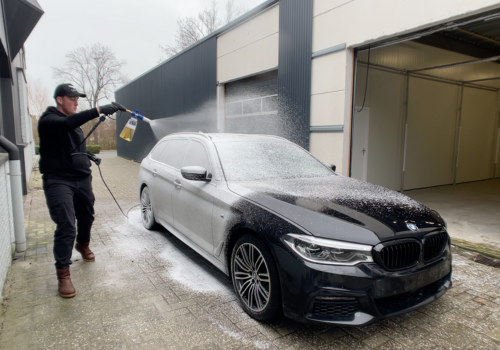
{"x":133,"y":29}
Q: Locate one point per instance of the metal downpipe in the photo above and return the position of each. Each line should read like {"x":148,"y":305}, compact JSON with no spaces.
{"x":16,"y":193}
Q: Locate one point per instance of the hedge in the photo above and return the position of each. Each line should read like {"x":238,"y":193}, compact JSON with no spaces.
{"x":37,"y":149}
{"x":96,"y":149}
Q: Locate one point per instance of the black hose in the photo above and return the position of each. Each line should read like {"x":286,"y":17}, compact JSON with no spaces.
{"x":366,"y":83}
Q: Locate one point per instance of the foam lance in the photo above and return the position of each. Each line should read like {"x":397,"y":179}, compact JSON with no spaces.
{"x":129,"y":129}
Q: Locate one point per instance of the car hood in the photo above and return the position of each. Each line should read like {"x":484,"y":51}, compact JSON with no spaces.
{"x":342,"y":208}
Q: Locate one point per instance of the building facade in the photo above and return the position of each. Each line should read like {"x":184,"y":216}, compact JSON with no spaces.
{"x":17,"y":20}
{"x":404,"y":94}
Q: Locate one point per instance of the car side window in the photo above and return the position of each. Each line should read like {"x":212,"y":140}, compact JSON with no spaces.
{"x":173,"y":154}
{"x":156,"y":154}
{"x":197,"y":155}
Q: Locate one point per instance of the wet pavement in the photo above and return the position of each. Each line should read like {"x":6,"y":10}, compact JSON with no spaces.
{"x":147,"y":290}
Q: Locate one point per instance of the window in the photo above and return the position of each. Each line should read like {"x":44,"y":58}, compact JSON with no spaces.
{"x":156,"y":154}
{"x":197,"y":155}
{"x":173,"y":154}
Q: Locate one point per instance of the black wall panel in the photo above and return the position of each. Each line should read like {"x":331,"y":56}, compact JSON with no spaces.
{"x":179,"y":95}
{"x":294,"y":69}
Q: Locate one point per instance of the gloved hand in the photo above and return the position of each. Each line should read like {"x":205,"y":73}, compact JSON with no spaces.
{"x":108,"y":109}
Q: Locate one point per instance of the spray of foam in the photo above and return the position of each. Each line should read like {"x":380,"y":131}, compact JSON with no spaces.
{"x":258,"y":115}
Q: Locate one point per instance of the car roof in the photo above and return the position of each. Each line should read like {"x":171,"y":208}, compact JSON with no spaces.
{"x":229,"y":137}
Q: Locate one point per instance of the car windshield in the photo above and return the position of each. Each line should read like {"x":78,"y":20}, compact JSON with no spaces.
{"x":247,"y":161}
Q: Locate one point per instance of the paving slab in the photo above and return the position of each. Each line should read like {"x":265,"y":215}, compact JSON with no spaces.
{"x":148,"y":290}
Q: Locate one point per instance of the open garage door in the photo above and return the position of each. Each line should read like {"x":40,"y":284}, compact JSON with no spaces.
{"x":433,"y":107}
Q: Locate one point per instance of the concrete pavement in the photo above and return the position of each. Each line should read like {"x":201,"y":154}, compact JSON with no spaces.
{"x":147,"y":290}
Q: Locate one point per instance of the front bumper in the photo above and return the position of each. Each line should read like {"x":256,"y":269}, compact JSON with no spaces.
{"x":358,"y":295}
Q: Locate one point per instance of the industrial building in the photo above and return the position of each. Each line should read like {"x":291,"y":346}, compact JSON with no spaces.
{"x":403,"y":94}
{"x":426,"y":114}
{"x":17,"y":147}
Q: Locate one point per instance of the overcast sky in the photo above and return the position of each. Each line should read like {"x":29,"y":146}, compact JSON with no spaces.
{"x":133,"y":29}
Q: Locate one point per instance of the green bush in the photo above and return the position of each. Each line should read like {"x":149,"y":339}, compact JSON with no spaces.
{"x":37,"y":149}
{"x":96,"y":149}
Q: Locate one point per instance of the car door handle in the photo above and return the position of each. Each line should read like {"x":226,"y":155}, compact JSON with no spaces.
{"x":154,"y":172}
{"x":177,"y":183}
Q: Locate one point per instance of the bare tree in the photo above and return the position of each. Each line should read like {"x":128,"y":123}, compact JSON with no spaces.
{"x":192,"y":29}
{"x":94,"y":70}
{"x":38,"y":98}
{"x":38,"y":101}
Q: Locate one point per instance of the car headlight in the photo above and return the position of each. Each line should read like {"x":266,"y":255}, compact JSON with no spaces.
{"x":327,"y":251}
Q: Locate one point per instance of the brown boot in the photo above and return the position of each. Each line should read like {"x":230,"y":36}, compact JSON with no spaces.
{"x":66,"y":289}
{"x":83,"y":248}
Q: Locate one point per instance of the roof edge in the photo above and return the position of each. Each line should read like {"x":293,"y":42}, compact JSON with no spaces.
{"x":256,"y":10}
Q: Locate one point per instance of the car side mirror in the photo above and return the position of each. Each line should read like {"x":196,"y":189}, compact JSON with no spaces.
{"x":196,"y":173}
{"x":331,"y":166}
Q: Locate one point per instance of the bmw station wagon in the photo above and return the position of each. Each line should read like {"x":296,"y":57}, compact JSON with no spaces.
{"x":295,"y":237}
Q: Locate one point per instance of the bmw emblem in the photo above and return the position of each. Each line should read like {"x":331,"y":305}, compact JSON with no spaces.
{"x":412,"y":227}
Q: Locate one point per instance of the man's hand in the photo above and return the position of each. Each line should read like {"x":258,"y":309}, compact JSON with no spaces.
{"x":107,"y":109}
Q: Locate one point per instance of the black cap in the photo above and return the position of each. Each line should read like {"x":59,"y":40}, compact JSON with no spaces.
{"x":67,"y":90}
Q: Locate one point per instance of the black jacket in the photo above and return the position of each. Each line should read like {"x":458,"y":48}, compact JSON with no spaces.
{"x":59,"y":136}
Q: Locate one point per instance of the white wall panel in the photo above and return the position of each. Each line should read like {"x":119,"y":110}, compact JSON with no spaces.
{"x":385,"y":98}
{"x":327,"y":147}
{"x":251,"y":31}
{"x":249,"y":48}
{"x":477,"y":136}
{"x":328,"y":73}
{"x":251,"y":59}
{"x":322,"y":6}
{"x":432,"y":118}
{"x":359,"y":21}
{"x":6,"y":222}
{"x":328,"y":108}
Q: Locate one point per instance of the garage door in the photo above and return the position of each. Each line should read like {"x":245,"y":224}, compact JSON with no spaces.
{"x":252,"y":105}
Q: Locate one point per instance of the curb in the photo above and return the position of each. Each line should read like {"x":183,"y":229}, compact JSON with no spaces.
{"x":475,"y":247}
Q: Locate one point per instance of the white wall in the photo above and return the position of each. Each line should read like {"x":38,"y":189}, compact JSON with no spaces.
{"x":385,"y":99}
{"x":356,"y":22}
{"x":6,"y":222}
{"x":478,"y":135}
{"x":249,"y":48}
{"x":432,"y":125}
{"x":433,"y":119}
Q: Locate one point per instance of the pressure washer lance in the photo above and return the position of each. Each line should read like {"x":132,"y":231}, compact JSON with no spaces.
{"x":96,"y":160}
{"x":128,"y":131}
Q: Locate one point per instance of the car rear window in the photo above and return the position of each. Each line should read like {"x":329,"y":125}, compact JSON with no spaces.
{"x":246,"y":161}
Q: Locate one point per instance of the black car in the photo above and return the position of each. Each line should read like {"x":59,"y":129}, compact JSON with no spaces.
{"x":294,"y":236}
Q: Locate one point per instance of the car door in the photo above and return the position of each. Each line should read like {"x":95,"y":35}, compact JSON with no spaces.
{"x":154,"y":163}
{"x":168,"y":170}
{"x":193,"y":200}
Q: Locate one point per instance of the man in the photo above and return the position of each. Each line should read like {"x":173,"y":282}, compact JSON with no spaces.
{"x":67,"y":179}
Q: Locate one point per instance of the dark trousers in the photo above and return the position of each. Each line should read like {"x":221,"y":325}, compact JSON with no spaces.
{"x":69,"y":201}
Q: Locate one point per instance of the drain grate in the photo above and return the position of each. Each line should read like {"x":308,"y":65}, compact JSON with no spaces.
{"x":481,"y":259}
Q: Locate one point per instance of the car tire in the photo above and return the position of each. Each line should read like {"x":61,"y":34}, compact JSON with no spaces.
{"x":255,"y":278}
{"x":147,"y":212}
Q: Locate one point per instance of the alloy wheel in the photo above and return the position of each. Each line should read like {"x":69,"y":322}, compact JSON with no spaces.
{"x":251,"y":275}
{"x":146,"y":209}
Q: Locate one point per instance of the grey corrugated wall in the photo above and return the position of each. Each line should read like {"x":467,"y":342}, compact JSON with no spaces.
{"x":294,"y":69}
{"x":178,"y":87}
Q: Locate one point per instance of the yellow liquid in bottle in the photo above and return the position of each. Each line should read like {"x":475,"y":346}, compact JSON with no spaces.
{"x":127,"y":133}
